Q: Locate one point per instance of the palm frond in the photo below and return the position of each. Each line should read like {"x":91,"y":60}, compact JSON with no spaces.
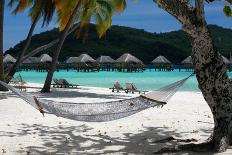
{"x":227,"y":10}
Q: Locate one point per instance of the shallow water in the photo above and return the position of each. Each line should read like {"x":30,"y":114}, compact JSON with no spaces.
{"x":148,"y":80}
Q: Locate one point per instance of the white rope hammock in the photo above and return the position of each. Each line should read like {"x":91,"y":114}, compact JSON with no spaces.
{"x":104,"y":111}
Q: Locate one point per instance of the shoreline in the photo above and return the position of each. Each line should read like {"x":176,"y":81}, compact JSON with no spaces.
{"x":33,"y":84}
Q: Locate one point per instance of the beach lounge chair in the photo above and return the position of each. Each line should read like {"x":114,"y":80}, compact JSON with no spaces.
{"x":66,"y":84}
{"x":130,"y":87}
{"x":57,"y":83}
{"x":117,"y":87}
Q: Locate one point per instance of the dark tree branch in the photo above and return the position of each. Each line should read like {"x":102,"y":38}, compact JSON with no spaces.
{"x":182,"y":11}
{"x":200,"y":12}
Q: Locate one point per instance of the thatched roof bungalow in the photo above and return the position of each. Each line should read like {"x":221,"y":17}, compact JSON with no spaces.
{"x":27,"y":61}
{"x":128,"y":58}
{"x":31,"y":63}
{"x":162,"y":63}
{"x":31,"y":60}
{"x":45,"y":58}
{"x":106,"y":63}
{"x":85,"y":58}
{"x":82,"y":63}
{"x":9,"y":59}
{"x":129,"y":62}
{"x":105,"y":60}
{"x":187,"y":64}
{"x":161,"y":60}
{"x":71,"y":60}
{"x":187,"y":61}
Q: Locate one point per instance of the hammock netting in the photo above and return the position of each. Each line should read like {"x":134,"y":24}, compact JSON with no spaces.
{"x":103,"y":111}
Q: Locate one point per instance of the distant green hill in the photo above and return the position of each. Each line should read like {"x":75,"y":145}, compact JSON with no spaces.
{"x":118,"y":40}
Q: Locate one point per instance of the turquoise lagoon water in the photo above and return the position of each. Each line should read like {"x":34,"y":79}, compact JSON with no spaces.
{"x":148,"y":80}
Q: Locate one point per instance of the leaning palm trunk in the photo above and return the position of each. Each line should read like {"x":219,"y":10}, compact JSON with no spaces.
{"x":2,"y":76}
{"x":40,"y":49}
{"x":1,"y":40}
{"x":47,"y":84}
{"x":22,"y":53}
{"x":45,"y":47}
{"x":210,"y":70}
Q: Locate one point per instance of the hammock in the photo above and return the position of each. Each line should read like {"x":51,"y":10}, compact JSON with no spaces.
{"x":104,"y":111}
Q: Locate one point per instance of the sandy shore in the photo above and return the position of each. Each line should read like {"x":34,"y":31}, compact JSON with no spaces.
{"x":24,"y":130}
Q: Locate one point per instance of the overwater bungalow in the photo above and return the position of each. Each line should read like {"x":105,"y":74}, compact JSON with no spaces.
{"x":44,"y":62}
{"x":106,"y":63}
{"x":162,"y":64}
{"x":30,"y":63}
{"x":8,"y":59}
{"x":71,"y":60}
{"x":45,"y":58}
{"x":32,"y":60}
{"x":71,"y":63}
{"x":187,"y":64}
{"x":129,"y":63}
{"x":82,"y":63}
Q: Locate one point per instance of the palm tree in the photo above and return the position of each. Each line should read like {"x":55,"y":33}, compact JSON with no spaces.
{"x":39,"y":8}
{"x":83,"y":12}
{"x":46,"y":87}
{"x":2,"y":76}
{"x":211,"y":72}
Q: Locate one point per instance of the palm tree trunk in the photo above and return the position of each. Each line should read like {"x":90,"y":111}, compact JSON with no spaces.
{"x":2,"y":76}
{"x":47,"y":84}
{"x":1,"y":39}
{"x":25,"y":48}
{"x":215,"y":86}
{"x":210,"y":70}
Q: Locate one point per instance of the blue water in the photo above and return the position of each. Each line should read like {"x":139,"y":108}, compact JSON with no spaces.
{"x":148,"y":80}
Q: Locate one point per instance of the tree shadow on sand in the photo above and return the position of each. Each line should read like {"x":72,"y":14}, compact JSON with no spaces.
{"x":80,"y":140}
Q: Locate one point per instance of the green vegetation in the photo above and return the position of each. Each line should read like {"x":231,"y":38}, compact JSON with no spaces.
{"x":118,"y":40}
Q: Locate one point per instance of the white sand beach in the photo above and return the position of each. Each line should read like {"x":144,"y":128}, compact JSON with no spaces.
{"x":25,"y":131}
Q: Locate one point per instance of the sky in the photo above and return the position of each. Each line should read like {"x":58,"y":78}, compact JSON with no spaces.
{"x":141,"y":14}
